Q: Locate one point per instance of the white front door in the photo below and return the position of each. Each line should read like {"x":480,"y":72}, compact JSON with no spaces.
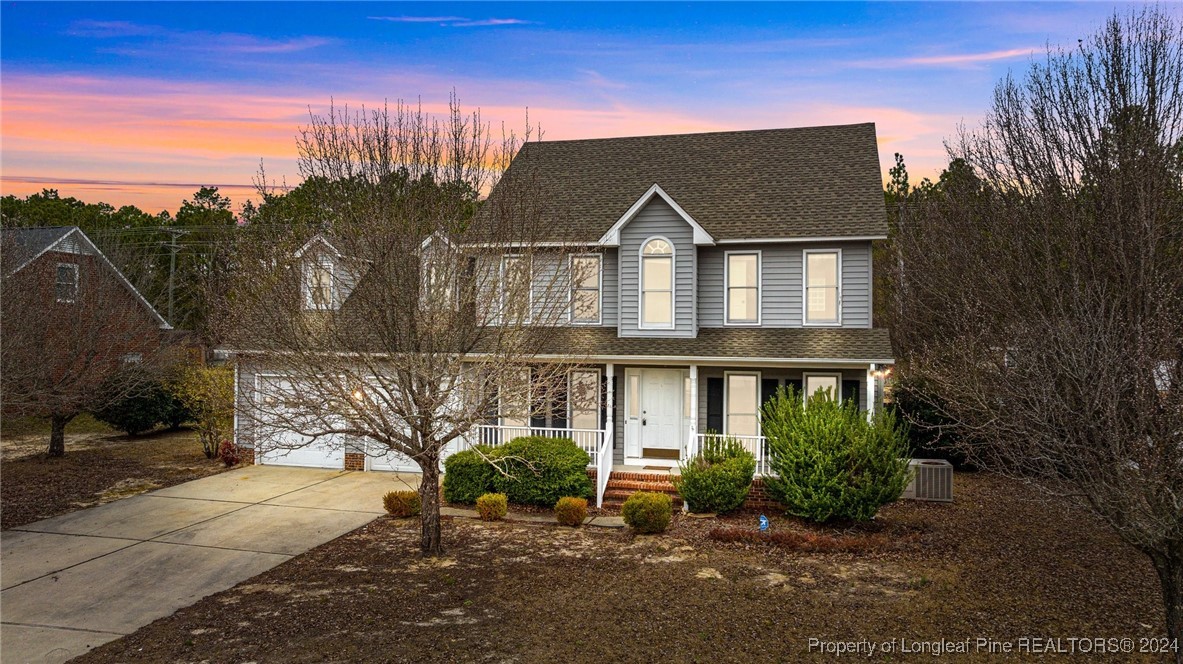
{"x":661,"y":413}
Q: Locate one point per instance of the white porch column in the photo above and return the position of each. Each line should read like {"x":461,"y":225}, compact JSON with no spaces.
{"x":870,"y":392}
{"x":693,"y":400}
{"x":610,"y":373}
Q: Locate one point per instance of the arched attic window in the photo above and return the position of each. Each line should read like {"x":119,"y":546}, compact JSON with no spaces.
{"x":657,"y":284}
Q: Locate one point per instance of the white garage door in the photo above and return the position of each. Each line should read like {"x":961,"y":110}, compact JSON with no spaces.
{"x":278,"y":446}
{"x":393,"y":461}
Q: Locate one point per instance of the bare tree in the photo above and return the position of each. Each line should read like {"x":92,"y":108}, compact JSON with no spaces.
{"x":414,"y":308}
{"x":1042,"y":296}
{"x":70,"y":324}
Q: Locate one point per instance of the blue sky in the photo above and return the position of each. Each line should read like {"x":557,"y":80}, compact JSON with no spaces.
{"x":137,"y":102}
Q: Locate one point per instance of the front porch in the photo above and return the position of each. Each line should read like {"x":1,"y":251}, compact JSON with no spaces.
{"x":666,"y":414}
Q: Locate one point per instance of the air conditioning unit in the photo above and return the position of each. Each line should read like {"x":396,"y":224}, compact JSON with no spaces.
{"x":932,"y":479}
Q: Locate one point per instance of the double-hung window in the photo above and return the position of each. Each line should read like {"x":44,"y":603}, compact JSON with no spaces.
{"x":657,"y":284}
{"x":743,"y":404}
{"x":517,"y":296}
{"x":585,"y":289}
{"x":822,"y":302}
{"x":830,"y":385}
{"x":65,"y":285}
{"x":583,"y":397}
{"x":743,"y":288}
{"x":514,"y":399}
{"x":318,"y":286}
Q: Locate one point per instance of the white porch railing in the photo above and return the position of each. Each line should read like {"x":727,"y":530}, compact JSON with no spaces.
{"x":603,"y":467}
{"x":589,"y":440}
{"x":757,"y":445}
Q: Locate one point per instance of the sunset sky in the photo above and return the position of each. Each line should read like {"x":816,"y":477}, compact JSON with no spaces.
{"x":141,"y":103}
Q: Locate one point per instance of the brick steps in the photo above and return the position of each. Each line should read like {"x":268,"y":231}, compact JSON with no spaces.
{"x":622,"y":485}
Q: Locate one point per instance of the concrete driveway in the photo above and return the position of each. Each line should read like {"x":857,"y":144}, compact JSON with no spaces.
{"x":76,"y":581}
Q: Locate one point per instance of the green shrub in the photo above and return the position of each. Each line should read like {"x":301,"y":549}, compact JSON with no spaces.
{"x":133,"y":401}
{"x":401,"y":503}
{"x":830,"y":463}
{"x":718,"y":478}
{"x":570,"y":511}
{"x":539,"y":471}
{"x":467,"y":475}
{"x":930,"y":431}
{"x":647,"y":512}
{"x":492,"y":506}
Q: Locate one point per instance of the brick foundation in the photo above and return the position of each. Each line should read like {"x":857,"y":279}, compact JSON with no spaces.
{"x":759,"y":500}
{"x":246,"y":456}
{"x":355,"y":461}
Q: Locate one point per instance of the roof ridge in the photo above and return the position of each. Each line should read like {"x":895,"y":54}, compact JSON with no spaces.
{"x":766,"y":130}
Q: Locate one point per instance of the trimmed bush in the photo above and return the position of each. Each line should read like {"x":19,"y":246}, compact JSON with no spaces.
{"x":539,"y":471}
{"x":492,"y":506}
{"x":648,"y":512}
{"x":401,"y":503}
{"x":718,"y":479}
{"x":133,"y":401}
{"x":830,"y":463}
{"x":571,"y":511}
{"x":468,"y":476}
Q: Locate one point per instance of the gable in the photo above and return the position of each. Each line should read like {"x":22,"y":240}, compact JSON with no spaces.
{"x":612,"y":237}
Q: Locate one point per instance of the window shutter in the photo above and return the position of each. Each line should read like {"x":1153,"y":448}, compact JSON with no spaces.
{"x":796,"y":384}
{"x":558,"y":410}
{"x":715,"y":404}
{"x":768,"y":387}
{"x":538,"y":405}
{"x":850,"y":390}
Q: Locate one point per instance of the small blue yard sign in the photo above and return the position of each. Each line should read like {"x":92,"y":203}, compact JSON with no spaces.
{"x":763,"y":522}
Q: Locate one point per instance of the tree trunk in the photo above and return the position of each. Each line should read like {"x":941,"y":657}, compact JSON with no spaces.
{"x":57,"y":434}
{"x":1170,"y":576}
{"x":429,"y":515}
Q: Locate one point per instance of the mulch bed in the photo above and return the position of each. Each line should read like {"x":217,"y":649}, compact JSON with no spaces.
{"x":104,"y":468}
{"x":995,"y":564}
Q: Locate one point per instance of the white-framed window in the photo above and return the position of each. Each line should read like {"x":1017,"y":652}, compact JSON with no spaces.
{"x":814,"y":382}
{"x":657,"y":284}
{"x":65,"y":283}
{"x":583,"y":398}
{"x":320,"y":285}
{"x":823,"y":284}
{"x":587,"y":275}
{"x":634,"y":394}
{"x":516,"y":289}
{"x":439,"y":285}
{"x":742,"y":282}
{"x":741,"y":399}
{"x":513,"y":399}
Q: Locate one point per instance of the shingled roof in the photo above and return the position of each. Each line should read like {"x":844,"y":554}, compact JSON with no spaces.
{"x":809,"y":182}
{"x":830,"y":344}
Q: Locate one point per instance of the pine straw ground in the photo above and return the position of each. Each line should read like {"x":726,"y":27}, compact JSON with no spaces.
{"x":98,"y":467}
{"x":994,"y":564}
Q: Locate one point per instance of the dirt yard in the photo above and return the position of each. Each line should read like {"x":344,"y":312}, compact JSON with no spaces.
{"x":993,"y":565}
{"x":99,"y":466}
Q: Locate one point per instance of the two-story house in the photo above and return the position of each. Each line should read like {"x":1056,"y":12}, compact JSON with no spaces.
{"x":712,"y":269}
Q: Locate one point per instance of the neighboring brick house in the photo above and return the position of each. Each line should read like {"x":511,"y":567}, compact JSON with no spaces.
{"x":726,"y":265}
{"x":71,"y":318}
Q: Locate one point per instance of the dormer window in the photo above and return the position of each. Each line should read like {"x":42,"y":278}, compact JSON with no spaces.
{"x":822,"y":286}
{"x":657,"y":284}
{"x":319,"y":291}
{"x":65,"y":285}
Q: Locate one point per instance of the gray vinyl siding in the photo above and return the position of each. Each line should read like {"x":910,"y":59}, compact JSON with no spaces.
{"x":782,"y":282}
{"x":856,"y":284}
{"x":611,"y":286}
{"x":657,"y":218}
